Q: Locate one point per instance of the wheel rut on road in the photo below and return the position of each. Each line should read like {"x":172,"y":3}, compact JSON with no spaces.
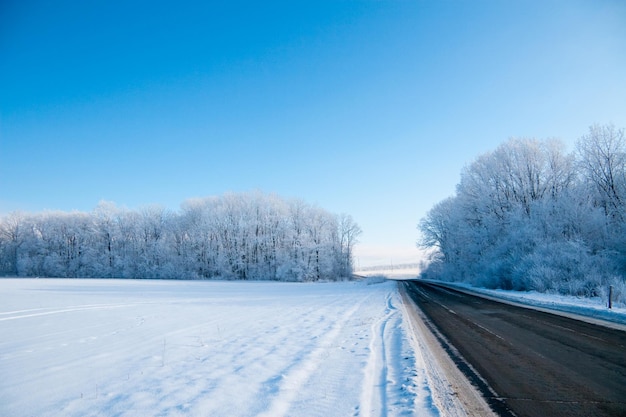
{"x":536,"y":363}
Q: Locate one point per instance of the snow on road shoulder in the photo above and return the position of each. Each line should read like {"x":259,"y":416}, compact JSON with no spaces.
{"x":126,"y":348}
{"x":582,"y":307}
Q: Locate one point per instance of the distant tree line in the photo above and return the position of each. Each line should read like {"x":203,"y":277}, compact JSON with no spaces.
{"x":530,"y":216}
{"x":415,"y":265}
{"x":234,"y":236}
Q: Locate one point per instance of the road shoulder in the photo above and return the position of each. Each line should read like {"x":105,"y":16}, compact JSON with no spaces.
{"x":453,"y":393}
{"x":559,"y":310}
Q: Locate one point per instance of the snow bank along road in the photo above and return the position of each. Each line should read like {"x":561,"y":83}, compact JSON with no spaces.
{"x":533,"y":363}
{"x":172,"y":348}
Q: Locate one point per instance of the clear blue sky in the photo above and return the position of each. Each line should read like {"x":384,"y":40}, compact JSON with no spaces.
{"x":371,"y":108}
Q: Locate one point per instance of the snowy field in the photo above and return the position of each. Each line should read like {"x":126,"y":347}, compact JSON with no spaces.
{"x":185,"y":348}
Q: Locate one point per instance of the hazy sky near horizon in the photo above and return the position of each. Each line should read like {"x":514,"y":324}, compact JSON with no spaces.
{"x":370,"y":108}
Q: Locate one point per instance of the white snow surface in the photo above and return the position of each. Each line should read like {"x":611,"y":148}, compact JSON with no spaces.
{"x":207,"y":348}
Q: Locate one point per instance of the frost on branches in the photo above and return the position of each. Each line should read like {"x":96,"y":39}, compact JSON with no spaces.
{"x":529,"y":216}
{"x":234,"y":236}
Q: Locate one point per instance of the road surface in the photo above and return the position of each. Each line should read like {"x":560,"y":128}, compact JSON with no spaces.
{"x":527,"y":362}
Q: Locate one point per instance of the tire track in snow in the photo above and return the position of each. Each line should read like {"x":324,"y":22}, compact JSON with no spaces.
{"x":374,"y":392}
{"x":392,"y":385}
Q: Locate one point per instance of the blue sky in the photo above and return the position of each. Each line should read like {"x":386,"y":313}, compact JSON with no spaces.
{"x":370,"y":108}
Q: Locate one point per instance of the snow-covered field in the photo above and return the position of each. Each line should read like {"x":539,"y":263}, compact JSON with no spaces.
{"x":185,"y":348}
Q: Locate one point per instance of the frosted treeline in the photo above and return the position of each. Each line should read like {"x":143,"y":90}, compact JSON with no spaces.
{"x":234,"y":236}
{"x":531,"y":216}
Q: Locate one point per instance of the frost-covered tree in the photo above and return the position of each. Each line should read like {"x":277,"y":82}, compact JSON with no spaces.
{"x":531,"y":216}
{"x":12,"y":235}
{"x":349,"y":233}
{"x":234,"y":236}
{"x":602,"y":162}
{"x":602,"y":159}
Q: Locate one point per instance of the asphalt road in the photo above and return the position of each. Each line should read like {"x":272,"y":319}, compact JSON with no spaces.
{"x":526,"y":362}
